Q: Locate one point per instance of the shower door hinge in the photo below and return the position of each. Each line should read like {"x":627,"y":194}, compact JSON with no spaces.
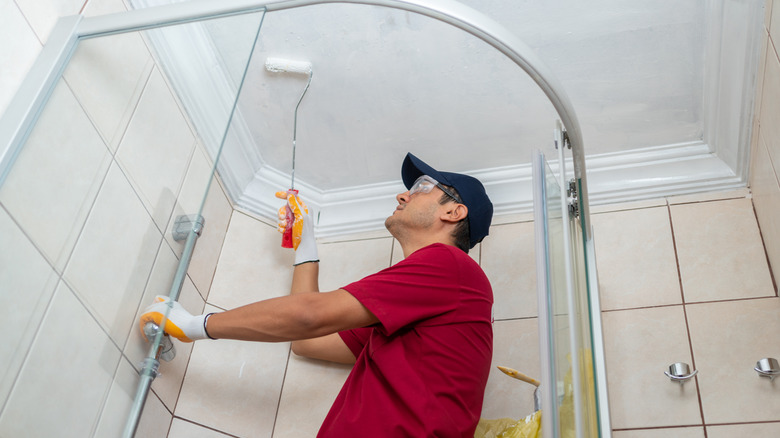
{"x":572,"y":199}
{"x":564,"y":140}
{"x":186,"y":223}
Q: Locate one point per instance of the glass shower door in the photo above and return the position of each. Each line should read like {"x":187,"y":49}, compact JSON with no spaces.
{"x":570,"y":401}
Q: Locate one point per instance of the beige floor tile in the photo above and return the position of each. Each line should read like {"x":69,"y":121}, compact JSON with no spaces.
{"x":676,"y":432}
{"x":508,"y":260}
{"x":766,"y":199}
{"x":728,"y":339}
{"x":185,"y":429}
{"x":622,"y":206}
{"x":635,"y":259}
{"x":759,"y":430}
{"x":720,"y":251}
{"x":234,"y":386}
{"x":252,"y":266}
{"x":515,"y":345}
{"x":342,"y":263}
{"x":310,"y":387}
{"x":709,"y":196}
{"x":639,"y":346}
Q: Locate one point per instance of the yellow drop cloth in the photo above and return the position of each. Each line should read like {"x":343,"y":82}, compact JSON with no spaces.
{"x":527,"y":427}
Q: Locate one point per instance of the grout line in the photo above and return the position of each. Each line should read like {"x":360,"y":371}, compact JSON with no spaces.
{"x":687,"y":324}
{"x":203,"y":426}
{"x":730,"y":300}
{"x":766,"y":253}
{"x":281,"y":390}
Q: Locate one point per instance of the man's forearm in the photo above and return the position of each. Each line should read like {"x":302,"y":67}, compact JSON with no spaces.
{"x":305,"y":278}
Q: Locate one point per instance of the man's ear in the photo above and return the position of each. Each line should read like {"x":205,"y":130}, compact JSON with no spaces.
{"x":455,"y":213}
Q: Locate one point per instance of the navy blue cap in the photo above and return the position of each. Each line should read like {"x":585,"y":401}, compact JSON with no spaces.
{"x":471,"y":191}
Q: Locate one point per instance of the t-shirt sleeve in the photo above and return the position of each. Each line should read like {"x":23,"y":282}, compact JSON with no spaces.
{"x":356,"y":339}
{"x":422,"y":286}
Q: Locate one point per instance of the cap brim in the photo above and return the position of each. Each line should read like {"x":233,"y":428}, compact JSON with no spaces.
{"x":414,"y":168}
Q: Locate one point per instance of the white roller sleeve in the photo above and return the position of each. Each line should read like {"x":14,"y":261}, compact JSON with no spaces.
{"x":278,"y":65}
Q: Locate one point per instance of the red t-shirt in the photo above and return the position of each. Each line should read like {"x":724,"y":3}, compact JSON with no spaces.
{"x":421,"y":371}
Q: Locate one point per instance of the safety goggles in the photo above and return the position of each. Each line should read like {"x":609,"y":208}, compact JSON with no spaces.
{"x":425,"y":184}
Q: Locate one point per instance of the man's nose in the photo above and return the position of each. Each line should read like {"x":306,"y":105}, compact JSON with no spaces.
{"x":403,"y":198}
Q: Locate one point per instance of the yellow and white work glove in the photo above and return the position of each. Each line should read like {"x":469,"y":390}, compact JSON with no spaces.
{"x":180,"y":324}
{"x":304,"y":242}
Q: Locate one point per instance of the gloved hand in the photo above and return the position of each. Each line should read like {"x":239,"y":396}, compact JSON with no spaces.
{"x":303,"y":240}
{"x":180,"y":324}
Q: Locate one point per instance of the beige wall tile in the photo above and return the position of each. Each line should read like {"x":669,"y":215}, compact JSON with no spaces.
{"x":43,"y":14}
{"x":114,"y":256}
{"x":774,"y":20}
{"x":72,"y":354}
{"x":770,"y":103}
{"x":766,"y":200}
{"x":156,"y":149}
{"x":728,"y":339}
{"x":185,"y":429}
{"x":217,"y":212}
{"x":635,"y":259}
{"x":234,"y":386}
{"x":310,"y":387}
{"x":677,"y":432}
{"x":28,"y":284}
{"x":508,"y":259}
{"x":342,"y":263}
{"x":191,"y":197}
{"x":253,"y":265}
{"x":107,"y":75}
{"x":168,"y":384}
{"x":16,"y":58}
{"x":744,"y":430}
{"x":720,"y":251}
{"x":515,"y":345}
{"x":155,"y":419}
{"x":51,"y":189}
{"x":639,"y":346}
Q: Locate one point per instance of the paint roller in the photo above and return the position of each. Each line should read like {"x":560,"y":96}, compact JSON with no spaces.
{"x":291,"y":222}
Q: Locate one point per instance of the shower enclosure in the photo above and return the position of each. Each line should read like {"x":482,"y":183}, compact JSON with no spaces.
{"x":99,"y":161}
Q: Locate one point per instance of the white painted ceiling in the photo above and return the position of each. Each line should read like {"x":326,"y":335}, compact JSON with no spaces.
{"x":387,"y":81}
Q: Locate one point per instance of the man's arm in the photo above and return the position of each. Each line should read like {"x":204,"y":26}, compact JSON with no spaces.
{"x":300,"y":316}
{"x":329,"y":347}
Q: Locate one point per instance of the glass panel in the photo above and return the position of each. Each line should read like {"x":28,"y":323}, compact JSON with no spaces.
{"x":118,"y":151}
{"x":564,"y":314}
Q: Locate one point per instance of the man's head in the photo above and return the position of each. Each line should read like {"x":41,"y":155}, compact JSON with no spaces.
{"x":457,"y":189}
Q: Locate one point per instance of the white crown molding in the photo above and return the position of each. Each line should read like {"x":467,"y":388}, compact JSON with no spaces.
{"x":618,"y":177}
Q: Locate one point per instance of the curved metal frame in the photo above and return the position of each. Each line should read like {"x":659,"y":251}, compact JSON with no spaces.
{"x":23,"y":111}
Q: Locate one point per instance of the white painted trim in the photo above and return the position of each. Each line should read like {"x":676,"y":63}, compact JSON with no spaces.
{"x":618,"y":177}
{"x":731,"y":65}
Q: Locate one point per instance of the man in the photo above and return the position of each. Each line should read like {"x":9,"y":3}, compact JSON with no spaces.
{"x":418,"y":333}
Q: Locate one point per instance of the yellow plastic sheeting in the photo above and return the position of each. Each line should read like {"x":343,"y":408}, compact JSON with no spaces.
{"x":528,"y":427}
